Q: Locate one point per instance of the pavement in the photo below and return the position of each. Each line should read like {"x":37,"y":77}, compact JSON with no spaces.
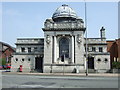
{"x":57,"y":80}
{"x":65,"y":74}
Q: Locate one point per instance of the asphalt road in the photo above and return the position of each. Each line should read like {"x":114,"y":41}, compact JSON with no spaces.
{"x":33,"y":81}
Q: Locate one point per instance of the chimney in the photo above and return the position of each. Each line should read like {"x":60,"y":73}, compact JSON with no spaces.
{"x":102,"y":33}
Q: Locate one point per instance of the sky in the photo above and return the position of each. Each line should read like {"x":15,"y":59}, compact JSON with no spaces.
{"x":26,"y":19}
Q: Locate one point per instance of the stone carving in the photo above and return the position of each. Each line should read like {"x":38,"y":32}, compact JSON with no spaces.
{"x":48,"y":39}
{"x":79,"y":40}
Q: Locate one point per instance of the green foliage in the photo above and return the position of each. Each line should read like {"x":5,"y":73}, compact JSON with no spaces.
{"x":116,"y":65}
{"x":2,"y":61}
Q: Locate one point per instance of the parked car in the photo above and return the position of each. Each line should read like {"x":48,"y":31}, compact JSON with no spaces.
{"x":1,"y":67}
{"x":4,"y":66}
{"x":8,"y":66}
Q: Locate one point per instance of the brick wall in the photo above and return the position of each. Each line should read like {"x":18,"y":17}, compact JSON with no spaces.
{"x":114,"y":48}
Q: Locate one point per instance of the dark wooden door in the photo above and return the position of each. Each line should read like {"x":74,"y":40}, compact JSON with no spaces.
{"x":39,"y":64}
{"x":90,"y":62}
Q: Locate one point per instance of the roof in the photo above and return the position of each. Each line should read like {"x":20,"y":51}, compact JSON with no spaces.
{"x":64,"y":11}
{"x":5,"y":44}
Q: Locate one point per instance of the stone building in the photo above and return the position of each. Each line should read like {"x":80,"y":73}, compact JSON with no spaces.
{"x":98,"y":57}
{"x":29,"y":54}
{"x":64,"y":46}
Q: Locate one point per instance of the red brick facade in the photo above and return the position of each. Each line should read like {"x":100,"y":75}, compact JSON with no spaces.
{"x":6,"y":52}
{"x":114,"y":48}
{"x":119,"y":49}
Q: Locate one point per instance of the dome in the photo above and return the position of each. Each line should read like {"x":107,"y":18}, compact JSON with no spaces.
{"x":64,"y":11}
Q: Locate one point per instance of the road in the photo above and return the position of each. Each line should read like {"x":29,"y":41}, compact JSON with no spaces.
{"x":34,"y":81}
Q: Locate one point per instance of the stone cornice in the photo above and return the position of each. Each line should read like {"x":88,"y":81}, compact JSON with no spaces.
{"x":63,"y":29}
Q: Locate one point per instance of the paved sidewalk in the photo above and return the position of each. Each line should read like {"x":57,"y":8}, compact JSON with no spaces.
{"x":66,"y":74}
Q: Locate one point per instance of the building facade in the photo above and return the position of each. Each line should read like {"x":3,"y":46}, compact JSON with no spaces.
{"x":6,"y":52}
{"x":64,"y":46}
{"x":114,"y":49}
{"x":29,"y":54}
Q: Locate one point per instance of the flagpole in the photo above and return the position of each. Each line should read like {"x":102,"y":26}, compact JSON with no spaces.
{"x":86,"y":39}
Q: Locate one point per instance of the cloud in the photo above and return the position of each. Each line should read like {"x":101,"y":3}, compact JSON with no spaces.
{"x":13,"y":12}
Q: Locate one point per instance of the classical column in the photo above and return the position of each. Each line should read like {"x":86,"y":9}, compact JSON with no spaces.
{"x":54,"y":49}
{"x":72,"y":49}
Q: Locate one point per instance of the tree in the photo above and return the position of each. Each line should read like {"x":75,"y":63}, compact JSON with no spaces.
{"x":116,"y":65}
{"x":3,"y":61}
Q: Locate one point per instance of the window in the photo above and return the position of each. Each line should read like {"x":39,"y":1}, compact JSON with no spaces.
{"x":89,"y":49}
{"x":35,"y":48}
{"x":28,"y":59}
{"x":22,"y":49}
{"x":100,"y":49}
{"x":22,"y":59}
{"x":99,"y":60}
{"x":29,"y":49}
{"x":16,"y":59}
{"x":42,"y":48}
{"x":64,"y":47}
{"x":106,"y":59}
{"x":93,"y":49}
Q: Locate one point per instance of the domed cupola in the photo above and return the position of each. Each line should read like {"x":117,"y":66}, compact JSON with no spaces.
{"x":64,"y":12}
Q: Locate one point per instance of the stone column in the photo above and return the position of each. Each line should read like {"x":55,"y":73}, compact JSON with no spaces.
{"x":72,"y":49}
{"x":54,"y":49}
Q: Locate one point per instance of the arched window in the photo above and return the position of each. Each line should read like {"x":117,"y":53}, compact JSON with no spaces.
{"x":106,"y":60}
{"x":99,"y":60}
{"x":64,"y":47}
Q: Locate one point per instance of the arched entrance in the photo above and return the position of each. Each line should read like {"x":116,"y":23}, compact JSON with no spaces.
{"x":64,"y":47}
{"x":39,"y":64}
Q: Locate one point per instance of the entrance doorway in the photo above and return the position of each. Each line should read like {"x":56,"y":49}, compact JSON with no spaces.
{"x":39,"y":64}
{"x":90,"y":62}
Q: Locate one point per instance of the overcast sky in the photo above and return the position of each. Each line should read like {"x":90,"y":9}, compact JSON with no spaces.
{"x":26,"y":19}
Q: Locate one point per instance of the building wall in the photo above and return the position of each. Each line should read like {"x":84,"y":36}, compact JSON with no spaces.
{"x":79,"y":48}
{"x":102,"y":64}
{"x":119,"y":49}
{"x":97,"y":48}
{"x":49,"y":53}
{"x":114,"y":48}
{"x":6,"y":52}
{"x":27,"y":64}
{"x":98,"y":43}
{"x":40,"y":48}
{"x":29,"y":57}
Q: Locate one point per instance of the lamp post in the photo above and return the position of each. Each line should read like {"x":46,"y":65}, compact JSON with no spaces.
{"x":86,"y":39}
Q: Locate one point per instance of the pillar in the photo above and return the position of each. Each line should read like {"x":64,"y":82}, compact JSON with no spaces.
{"x":72,"y":49}
{"x":54,"y":49}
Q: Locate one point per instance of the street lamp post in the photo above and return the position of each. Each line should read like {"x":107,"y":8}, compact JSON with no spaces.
{"x":86,"y":40}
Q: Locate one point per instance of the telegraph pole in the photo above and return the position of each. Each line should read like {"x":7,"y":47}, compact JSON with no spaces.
{"x":86,"y":39}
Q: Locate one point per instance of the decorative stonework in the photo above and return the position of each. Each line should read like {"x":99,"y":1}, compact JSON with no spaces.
{"x":79,"y":40}
{"x":48,"y":39}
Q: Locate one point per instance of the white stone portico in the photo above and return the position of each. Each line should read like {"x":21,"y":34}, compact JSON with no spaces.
{"x":64,"y":39}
